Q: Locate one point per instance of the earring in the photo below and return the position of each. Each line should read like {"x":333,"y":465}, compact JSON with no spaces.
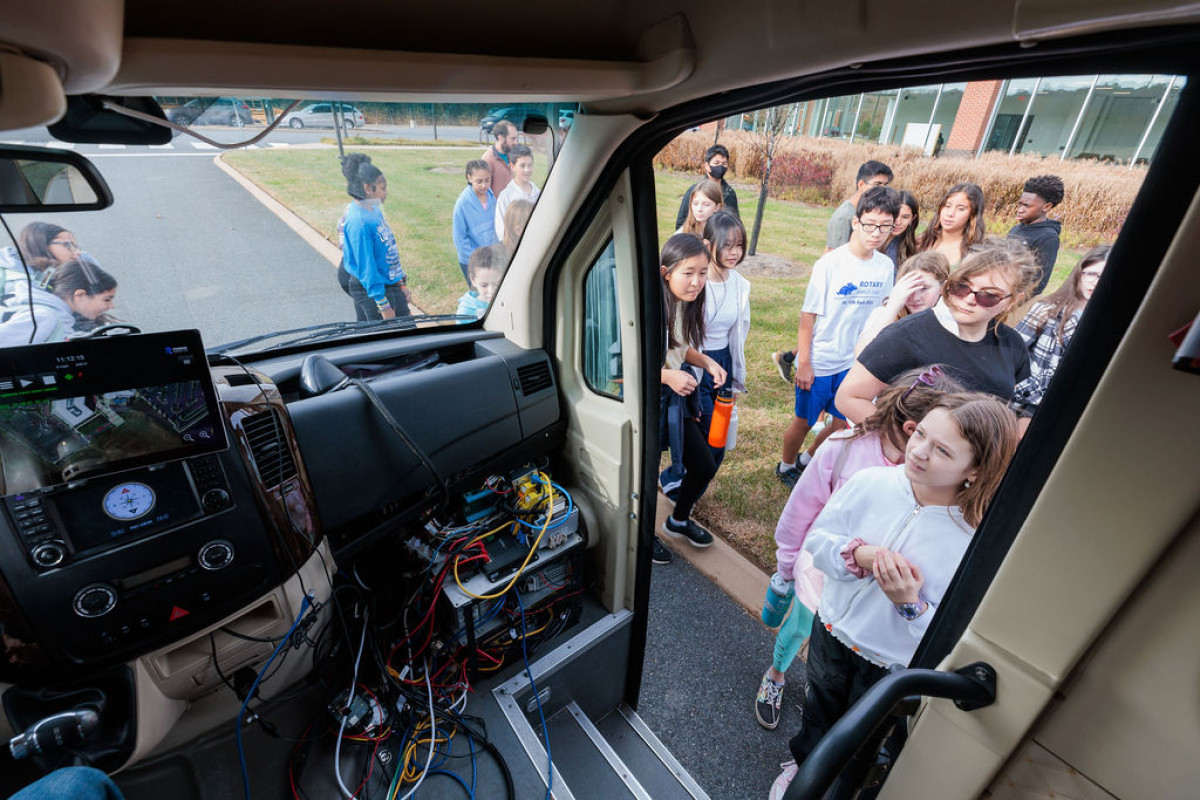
{"x":967,"y":483}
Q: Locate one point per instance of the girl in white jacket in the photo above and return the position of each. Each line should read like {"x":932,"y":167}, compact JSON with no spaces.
{"x":888,"y":543}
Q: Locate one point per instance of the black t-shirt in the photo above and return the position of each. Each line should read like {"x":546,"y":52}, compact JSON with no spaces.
{"x":995,"y":364}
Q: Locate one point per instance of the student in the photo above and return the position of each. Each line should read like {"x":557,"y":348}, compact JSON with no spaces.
{"x":965,"y":332}
{"x":714,"y":167}
{"x":903,"y":241}
{"x":918,"y":287}
{"x":81,"y":294}
{"x":515,"y":219}
{"x":522,"y":186}
{"x":474,"y":223}
{"x":958,"y":223}
{"x":888,"y":544}
{"x":837,"y":233}
{"x":706,"y":201}
{"x":42,"y":246}
{"x":485,"y":270}
{"x":1040,"y":234}
{"x":878,"y":442}
{"x":498,"y":157}
{"x":845,"y":286}
{"x":1049,"y":326}
{"x":684,"y":267}
{"x":726,"y":315}
{"x":378,"y":285}
{"x":870,"y":174}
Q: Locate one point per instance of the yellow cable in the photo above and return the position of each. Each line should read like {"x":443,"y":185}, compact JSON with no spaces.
{"x":528,"y":558}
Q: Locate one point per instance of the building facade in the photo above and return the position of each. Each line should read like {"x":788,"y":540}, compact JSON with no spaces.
{"x":1117,"y":118}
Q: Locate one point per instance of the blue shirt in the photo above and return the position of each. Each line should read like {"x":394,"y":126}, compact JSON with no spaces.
{"x":369,"y":249}
{"x":474,"y":225}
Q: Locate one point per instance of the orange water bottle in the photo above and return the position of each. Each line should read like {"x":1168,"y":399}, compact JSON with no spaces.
{"x":722,"y":409}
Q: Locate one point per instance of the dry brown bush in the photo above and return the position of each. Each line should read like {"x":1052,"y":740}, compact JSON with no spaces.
{"x":1098,"y":196}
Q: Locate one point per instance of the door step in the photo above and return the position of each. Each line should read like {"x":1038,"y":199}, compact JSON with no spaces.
{"x":599,"y":749}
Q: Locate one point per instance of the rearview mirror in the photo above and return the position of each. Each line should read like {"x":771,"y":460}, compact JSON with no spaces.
{"x":34,"y":179}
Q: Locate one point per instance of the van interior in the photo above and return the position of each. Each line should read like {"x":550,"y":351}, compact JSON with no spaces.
{"x":252,"y":568}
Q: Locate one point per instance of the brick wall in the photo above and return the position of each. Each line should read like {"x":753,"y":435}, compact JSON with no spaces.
{"x":970,"y":123}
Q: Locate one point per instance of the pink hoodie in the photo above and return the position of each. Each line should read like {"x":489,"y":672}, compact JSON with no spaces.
{"x":817,"y":483}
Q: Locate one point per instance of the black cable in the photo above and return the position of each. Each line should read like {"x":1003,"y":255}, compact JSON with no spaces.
{"x":212,"y":641}
{"x":28,"y":277}
{"x":247,"y":638}
{"x":379,"y":405}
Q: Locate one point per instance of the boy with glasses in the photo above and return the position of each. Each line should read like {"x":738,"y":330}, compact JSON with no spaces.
{"x":837,"y":232}
{"x":846,"y":285}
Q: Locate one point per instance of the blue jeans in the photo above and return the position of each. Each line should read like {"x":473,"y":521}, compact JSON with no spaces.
{"x":71,"y":783}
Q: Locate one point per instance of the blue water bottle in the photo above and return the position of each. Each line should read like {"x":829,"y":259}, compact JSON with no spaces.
{"x":778,"y":601}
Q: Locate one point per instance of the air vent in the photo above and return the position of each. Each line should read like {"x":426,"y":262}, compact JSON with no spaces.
{"x":268,"y":448}
{"x":534,"y":378}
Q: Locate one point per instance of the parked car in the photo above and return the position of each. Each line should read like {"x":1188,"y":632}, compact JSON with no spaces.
{"x":566,"y":118}
{"x":320,"y":115}
{"x":514,"y":114}
{"x":212,"y":111}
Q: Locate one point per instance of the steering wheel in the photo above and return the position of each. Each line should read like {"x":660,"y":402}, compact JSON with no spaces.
{"x":113,"y":329}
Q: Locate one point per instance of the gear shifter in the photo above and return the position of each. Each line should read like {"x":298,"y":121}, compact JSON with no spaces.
{"x":55,"y":732}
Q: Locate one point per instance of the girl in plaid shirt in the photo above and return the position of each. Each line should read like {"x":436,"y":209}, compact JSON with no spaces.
{"x":1049,"y":325}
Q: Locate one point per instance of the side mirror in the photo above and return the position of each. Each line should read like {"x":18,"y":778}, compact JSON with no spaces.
{"x":36,"y":179}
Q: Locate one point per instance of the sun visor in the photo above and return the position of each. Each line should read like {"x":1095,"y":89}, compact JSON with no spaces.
{"x":30,"y":93}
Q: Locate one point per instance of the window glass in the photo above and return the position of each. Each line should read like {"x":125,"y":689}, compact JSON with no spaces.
{"x":266,"y":241}
{"x":602,"y":364}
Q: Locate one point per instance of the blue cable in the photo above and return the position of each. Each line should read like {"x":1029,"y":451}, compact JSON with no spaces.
{"x":304,"y":604}
{"x":538,"y":699}
{"x":562,"y":520}
{"x":461,"y":782}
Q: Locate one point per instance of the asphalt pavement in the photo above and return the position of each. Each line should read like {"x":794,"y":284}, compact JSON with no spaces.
{"x":705,"y":656}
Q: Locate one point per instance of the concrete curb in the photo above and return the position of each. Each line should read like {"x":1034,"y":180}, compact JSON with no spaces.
{"x":733,"y":574}
{"x":329,"y":251}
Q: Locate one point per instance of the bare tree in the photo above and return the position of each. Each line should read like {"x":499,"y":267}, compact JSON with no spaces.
{"x":766,"y":139}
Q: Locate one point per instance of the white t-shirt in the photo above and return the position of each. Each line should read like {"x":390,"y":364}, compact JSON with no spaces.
{"x":720,"y":313}
{"x":842,"y":292}
{"x":504,"y":200}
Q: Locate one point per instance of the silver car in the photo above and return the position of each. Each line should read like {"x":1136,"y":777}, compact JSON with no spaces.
{"x":320,"y":115}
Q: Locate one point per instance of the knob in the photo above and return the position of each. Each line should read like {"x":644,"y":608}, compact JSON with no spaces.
{"x":95,"y":600}
{"x":216,"y":555}
{"x":214,"y":500}
{"x":49,"y":554}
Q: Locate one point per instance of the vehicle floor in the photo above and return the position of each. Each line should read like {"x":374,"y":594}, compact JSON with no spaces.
{"x":705,"y":656}
{"x":701,"y":672}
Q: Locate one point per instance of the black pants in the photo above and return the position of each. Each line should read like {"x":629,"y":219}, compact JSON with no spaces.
{"x":364,"y":306}
{"x":837,"y":678}
{"x":700,"y":466}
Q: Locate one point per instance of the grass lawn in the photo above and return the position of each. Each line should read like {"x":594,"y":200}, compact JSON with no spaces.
{"x":745,"y":499}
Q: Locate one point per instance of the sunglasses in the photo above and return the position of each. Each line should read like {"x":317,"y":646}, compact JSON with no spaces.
{"x":929,"y":377}
{"x":67,"y":243}
{"x":983,"y":298}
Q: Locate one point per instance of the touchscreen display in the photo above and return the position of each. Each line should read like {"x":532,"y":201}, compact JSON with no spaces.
{"x":89,"y":407}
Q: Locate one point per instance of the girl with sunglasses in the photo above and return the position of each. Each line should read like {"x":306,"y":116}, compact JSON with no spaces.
{"x":1049,"y":325}
{"x":43,"y":246}
{"x":966,"y":332}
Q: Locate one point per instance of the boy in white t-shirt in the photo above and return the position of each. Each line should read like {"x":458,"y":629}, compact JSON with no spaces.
{"x":846,"y":285}
{"x":521,"y":187}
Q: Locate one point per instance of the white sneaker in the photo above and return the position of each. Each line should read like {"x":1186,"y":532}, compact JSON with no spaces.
{"x":820,"y":426}
{"x":781,"y":784}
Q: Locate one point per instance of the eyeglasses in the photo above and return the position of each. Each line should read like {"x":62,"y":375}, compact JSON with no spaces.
{"x":67,"y":243}
{"x":869,"y":228}
{"x":983,"y":298}
{"x":1089,"y":276}
{"x":929,"y":377}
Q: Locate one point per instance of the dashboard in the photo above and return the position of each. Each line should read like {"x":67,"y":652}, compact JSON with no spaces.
{"x":134,"y":561}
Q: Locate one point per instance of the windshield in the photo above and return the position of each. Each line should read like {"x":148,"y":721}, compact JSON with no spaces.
{"x":344,"y":217}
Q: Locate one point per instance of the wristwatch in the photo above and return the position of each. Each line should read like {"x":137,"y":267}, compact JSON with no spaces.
{"x":911,"y":611}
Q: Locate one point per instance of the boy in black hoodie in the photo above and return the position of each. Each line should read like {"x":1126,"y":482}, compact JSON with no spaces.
{"x":1040,"y":234}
